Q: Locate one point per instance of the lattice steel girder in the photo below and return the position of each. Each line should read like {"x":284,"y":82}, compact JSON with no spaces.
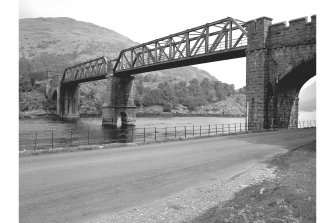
{"x":95,"y":69}
{"x":212,"y":38}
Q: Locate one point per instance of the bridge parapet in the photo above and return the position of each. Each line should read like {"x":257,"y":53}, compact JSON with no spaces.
{"x":298,"y":32}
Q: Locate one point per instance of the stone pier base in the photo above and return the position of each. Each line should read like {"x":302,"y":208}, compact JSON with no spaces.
{"x":110,"y":115}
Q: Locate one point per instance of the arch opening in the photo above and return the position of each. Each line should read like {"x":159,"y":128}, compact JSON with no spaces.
{"x":283,"y":104}
{"x":307,"y":101}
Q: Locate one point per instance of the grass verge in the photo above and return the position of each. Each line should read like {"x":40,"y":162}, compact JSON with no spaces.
{"x":290,"y":197}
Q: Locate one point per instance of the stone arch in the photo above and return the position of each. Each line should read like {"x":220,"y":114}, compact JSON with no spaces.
{"x":300,"y":72}
{"x":283,"y":104}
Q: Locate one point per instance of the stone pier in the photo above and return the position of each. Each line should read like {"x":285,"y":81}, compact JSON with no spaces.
{"x":68,"y":100}
{"x":119,"y":101}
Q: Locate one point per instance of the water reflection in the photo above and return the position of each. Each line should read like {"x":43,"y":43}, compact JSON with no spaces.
{"x":124,"y":133}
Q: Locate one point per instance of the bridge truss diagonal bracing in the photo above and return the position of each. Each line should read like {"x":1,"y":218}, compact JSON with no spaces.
{"x":95,"y":69}
{"x":197,"y":43}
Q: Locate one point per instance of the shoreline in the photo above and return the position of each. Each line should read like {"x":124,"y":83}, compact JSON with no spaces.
{"x":139,"y":115}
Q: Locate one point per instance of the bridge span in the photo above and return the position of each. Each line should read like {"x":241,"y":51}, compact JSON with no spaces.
{"x":280,"y":58}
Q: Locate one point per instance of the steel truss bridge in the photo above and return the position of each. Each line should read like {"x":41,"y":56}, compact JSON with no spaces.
{"x":220,"y":40}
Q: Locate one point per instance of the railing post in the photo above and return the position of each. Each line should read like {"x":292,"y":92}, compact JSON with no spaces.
{"x":71,"y":139}
{"x":144,"y":134}
{"x":240,"y":127}
{"x":52,"y":139}
{"x":155,"y":134}
{"x":228,"y":129}
{"x":216,"y":129}
{"x":222,"y":129}
{"x":175,"y":132}
{"x":103,"y":137}
{"x":235,"y":127}
{"x":35,"y":141}
{"x":132,"y":134}
{"x":165,"y":133}
{"x":185,"y":131}
{"x":193,"y":131}
{"x":88,"y":137}
{"x":303,"y":124}
{"x":209,"y":129}
{"x":200,"y":130}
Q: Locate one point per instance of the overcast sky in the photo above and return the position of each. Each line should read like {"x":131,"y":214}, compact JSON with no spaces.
{"x":145,"y":20}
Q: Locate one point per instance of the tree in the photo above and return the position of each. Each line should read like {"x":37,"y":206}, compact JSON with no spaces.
{"x":139,"y":86}
{"x":208,"y":90}
{"x":25,"y":66}
{"x":167,"y":93}
{"x":152,"y":97}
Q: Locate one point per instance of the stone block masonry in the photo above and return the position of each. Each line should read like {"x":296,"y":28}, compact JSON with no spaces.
{"x":280,"y":59}
{"x":68,"y":100}
{"x":119,"y":101}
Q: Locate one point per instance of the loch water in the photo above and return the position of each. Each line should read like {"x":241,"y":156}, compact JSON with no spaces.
{"x":48,"y":132}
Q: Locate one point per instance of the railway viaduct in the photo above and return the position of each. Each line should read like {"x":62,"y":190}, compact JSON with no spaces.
{"x":280,"y":58}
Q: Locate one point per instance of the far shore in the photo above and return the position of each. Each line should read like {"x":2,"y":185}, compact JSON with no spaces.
{"x":139,"y":115}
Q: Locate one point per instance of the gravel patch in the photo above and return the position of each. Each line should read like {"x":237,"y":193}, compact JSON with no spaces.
{"x":186,"y":205}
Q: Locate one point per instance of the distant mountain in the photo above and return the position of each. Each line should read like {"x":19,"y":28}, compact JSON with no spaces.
{"x":307,"y":98}
{"x":56,"y":43}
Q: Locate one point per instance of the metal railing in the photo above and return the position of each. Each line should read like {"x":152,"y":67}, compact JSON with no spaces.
{"x":53,"y":139}
{"x":189,"y":45}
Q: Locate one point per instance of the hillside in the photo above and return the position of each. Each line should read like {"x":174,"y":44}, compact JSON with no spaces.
{"x":56,"y":43}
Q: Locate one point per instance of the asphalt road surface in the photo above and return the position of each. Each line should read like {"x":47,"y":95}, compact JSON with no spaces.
{"x":74,"y":187}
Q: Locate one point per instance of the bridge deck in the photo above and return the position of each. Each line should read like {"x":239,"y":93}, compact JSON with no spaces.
{"x":220,"y":40}
{"x":168,"y":64}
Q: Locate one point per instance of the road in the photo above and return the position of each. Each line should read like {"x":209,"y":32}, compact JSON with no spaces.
{"x":74,"y":187}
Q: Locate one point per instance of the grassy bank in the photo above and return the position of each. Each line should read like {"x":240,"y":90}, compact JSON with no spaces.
{"x":291,"y":197}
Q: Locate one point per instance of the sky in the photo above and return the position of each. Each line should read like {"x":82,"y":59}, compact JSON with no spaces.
{"x":145,"y":20}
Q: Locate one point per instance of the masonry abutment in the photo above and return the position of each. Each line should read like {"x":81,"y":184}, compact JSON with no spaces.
{"x":257,"y":68}
{"x":280,"y":59}
{"x":119,"y":102}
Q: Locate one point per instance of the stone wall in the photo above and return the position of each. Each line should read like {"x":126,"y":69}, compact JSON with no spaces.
{"x":280,"y":59}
